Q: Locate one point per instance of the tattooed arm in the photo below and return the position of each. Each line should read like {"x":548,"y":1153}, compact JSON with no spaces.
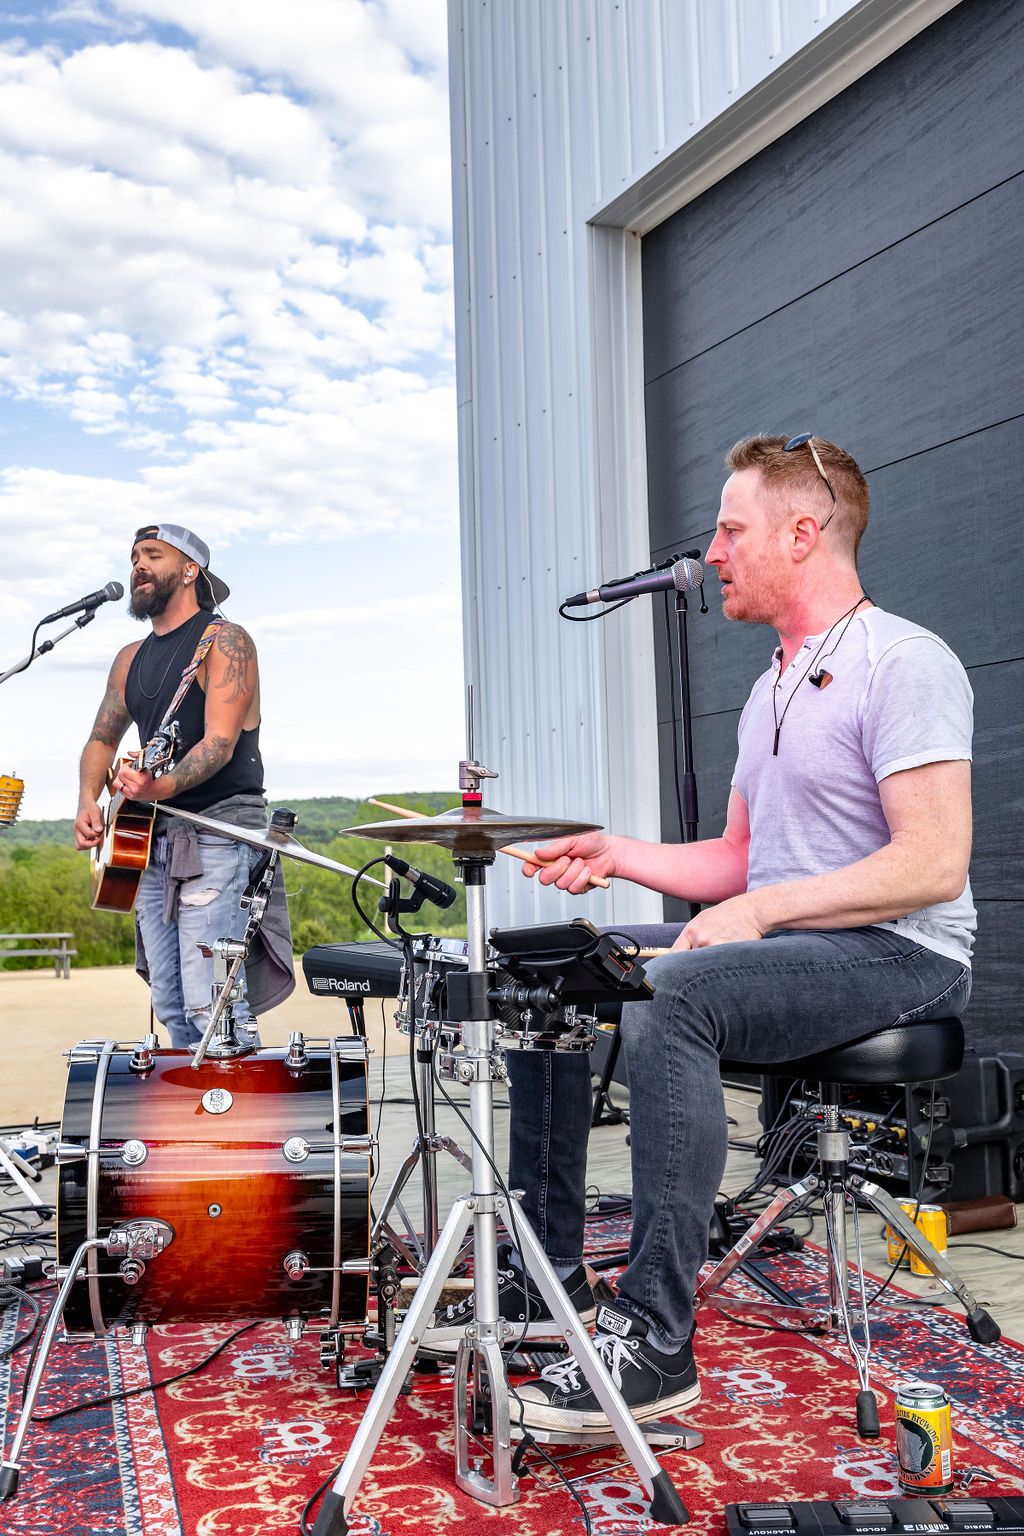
{"x":232,"y":705}
{"x":112,"y":721}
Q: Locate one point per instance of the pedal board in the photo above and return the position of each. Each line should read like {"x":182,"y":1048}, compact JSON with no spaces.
{"x":853,"y":1516}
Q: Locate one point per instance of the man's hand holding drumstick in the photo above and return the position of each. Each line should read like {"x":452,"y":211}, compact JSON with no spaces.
{"x":573,"y":864}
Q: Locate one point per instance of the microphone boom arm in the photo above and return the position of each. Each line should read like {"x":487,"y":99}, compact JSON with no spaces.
{"x":48,"y":645}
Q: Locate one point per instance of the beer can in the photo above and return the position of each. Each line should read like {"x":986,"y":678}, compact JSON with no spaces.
{"x":931,"y":1222}
{"x":924,"y":1438}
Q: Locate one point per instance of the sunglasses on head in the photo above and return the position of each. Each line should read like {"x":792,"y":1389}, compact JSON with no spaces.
{"x":806,"y":440}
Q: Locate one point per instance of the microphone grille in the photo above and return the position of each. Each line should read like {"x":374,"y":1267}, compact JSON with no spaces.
{"x":114,"y":591}
{"x":687,"y":575}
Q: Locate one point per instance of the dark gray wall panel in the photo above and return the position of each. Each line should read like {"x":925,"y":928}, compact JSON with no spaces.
{"x":997,"y":867}
{"x":995,"y":1016}
{"x":927,"y":130}
{"x":910,"y":350}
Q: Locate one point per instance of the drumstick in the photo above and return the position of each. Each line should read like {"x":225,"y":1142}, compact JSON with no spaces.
{"x":513,"y":853}
{"x":652,"y":954}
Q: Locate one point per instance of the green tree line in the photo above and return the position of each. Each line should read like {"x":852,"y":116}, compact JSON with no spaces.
{"x":44,"y":882}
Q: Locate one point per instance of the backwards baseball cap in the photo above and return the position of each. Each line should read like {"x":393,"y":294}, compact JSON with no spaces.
{"x":192,"y":546}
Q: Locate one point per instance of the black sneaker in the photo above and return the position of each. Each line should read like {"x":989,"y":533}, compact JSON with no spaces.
{"x":527,"y":1311}
{"x":653,"y":1385}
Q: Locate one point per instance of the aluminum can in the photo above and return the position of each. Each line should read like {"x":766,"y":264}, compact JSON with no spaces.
{"x":931,"y":1222}
{"x":924,"y":1438}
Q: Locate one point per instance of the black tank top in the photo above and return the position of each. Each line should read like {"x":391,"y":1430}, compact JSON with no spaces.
{"x":151,"y":684}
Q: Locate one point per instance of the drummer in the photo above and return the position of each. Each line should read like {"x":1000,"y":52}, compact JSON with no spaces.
{"x":836,"y":904}
{"x":189,"y":894}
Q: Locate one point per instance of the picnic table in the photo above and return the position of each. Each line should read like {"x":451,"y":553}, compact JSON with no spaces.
{"x":52,"y":944}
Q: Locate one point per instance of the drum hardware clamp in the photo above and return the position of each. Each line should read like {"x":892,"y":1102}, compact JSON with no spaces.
{"x":140,"y":1238}
{"x":296,"y":1149}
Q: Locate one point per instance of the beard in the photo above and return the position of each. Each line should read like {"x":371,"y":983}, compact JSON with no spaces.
{"x":150,"y":604}
{"x":761,"y":587}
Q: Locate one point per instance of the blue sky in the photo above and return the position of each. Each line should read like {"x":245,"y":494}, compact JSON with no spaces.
{"x":226,"y":301}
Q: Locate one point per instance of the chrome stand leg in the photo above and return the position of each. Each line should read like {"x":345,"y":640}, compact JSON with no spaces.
{"x":425,"y":1148}
{"x":982,"y":1326}
{"x":10,"y":1471}
{"x":838,"y":1269}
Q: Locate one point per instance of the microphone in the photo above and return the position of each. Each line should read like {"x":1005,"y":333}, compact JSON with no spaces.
{"x":108,"y":594}
{"x":429,"y":886}
{"x":685,"y":575}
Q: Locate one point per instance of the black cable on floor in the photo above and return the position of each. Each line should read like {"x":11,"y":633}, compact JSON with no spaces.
{"x":153,"y":1386}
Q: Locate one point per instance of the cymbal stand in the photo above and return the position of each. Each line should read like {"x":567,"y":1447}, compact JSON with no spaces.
{"x":414,"y":1249}
{"x":481,"y":1347}
{"x":229,"y":955}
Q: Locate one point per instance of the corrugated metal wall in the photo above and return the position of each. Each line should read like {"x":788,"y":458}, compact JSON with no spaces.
{"x":572,"y":121}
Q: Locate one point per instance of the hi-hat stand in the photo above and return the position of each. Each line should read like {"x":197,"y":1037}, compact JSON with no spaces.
{"x":415,"y":1248}
{"x":480,"y":1350}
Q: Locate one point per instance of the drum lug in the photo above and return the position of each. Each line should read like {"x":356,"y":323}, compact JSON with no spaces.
{"x":295,"y":1327}
{"x":132,"y":1271}
{"x":142,"y":1057}
{"x":296,"y":1149}
{"x":134,"y":1153}
{"x":296,"y":1264}
{"x":137,"y":1333}
{"x":297,"y":1057}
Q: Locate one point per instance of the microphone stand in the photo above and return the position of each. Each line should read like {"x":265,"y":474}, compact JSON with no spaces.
{"x":604,"y":1112}
{"x":689,"y":806}
{"x":48,"y":645}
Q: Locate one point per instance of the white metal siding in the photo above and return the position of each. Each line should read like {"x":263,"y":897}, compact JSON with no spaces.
{"x":575,"y":122}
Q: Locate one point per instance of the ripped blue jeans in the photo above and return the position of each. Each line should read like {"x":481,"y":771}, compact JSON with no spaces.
{"x":180,"y":977}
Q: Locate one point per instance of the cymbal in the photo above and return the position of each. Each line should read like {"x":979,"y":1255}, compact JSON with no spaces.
{"x":263,"y":837}
{"x":471,"y":829}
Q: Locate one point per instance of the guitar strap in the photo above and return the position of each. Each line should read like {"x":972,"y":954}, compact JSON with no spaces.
{"x":206,"y":639}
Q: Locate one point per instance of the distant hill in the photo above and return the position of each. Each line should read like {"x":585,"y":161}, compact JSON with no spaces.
{"x":320,"y":820}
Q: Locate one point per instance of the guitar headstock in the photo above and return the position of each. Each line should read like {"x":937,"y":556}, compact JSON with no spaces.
{"x":159,"y":752}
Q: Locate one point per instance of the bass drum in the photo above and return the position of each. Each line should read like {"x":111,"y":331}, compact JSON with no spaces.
{"x":260,"y":1165}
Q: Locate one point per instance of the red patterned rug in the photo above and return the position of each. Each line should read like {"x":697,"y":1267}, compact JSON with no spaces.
{"x":239,"y":1448}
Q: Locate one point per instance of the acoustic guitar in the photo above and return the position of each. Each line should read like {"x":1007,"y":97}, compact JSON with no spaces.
{"x":118,"y":862}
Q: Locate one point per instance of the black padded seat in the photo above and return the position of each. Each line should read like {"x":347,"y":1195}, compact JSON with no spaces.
{"x":906,"y":1053}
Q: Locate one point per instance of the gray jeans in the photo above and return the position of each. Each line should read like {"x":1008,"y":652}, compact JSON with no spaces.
{"x":784,"y":996}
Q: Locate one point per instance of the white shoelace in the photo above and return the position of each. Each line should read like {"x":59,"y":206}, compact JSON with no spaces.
{"x":615,"y":1353}
{"x":464,"y":1308}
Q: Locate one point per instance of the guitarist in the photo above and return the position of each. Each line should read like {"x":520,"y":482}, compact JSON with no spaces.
{"x":189,"y":894}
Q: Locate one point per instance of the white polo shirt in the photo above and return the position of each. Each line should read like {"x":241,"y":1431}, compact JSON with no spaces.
{"x":898,"y":698}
